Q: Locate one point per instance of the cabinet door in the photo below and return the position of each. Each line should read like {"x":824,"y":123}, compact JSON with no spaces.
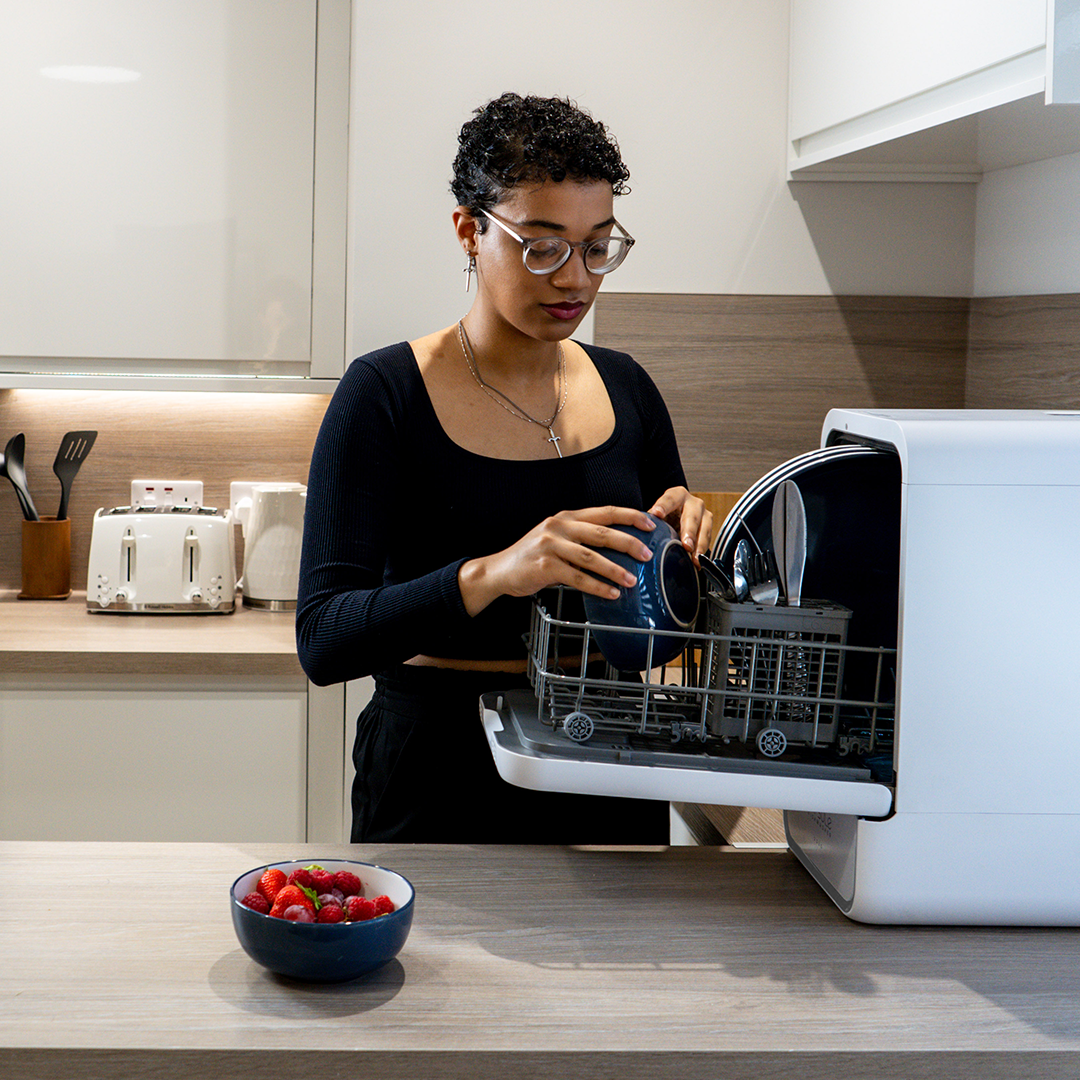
{"x":153,"y":764}
{"x":164,"y":185}
{"x":862,"y":74}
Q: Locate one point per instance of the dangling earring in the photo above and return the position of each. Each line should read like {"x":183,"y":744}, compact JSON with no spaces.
{"x":470,"y":268}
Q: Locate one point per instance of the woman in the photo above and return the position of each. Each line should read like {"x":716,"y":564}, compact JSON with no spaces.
{"x":458,"y":474}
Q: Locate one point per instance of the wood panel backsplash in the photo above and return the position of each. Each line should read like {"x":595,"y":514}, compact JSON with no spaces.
{"x":1024,"y":352}
{"x":216,"y":438}
{"x":748,"y":379}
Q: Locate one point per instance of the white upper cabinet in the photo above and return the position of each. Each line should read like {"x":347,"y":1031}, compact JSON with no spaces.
{"x":174,"y":191}
{"x":926,"y":89}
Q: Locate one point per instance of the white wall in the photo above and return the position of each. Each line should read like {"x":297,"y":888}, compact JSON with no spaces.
{"x":696,"y":93}
{"x":1028,"y":229}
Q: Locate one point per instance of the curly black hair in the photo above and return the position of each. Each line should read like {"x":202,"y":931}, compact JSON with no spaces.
{"x":513,"y":140}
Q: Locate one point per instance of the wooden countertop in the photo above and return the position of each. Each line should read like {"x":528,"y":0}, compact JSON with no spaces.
{"x":120,"y":961}
{"x":61,"y":637}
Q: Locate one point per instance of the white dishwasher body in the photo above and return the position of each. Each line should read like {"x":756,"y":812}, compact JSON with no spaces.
{"x":956,"y":536}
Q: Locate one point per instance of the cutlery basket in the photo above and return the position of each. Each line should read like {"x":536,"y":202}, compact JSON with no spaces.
{"x":777,"y":673}
{"x":767,"y":676}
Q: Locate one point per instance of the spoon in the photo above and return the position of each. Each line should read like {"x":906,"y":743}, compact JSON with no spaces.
{"x":740,"y":570}
{"x":763,"y":588}
{"x":779,"y":536}
{"x":718,"y":577}
{"x":12,"y":468}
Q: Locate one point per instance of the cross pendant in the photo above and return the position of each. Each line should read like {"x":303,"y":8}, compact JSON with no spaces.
{"x":554,"y":439}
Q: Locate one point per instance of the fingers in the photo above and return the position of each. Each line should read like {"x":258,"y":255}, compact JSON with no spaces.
{"x":566,"y":549}
{"x":612,"y":515}
{"x":696,"y":529}
{"x":581,"y":538}
{"x":686,"y":514}
{"x":599,"y":586}
{"x":669,"y":502}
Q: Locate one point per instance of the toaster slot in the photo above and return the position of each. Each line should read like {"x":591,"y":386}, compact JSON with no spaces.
{"x":128,"y":559}
{"x":191,"y":560}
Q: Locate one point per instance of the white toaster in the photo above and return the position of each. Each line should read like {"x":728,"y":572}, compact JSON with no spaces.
{"x":162,"y":560}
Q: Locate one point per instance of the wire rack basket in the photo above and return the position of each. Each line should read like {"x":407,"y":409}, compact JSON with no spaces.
{"x":765,"y":677}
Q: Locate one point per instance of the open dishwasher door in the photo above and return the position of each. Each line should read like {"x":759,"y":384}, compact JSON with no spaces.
{"x":785,"y":708}
{"x":530,"y":754}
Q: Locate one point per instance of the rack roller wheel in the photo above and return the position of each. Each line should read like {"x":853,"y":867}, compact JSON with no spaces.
{"x":578,"y":726}
{"x":772,"y":742}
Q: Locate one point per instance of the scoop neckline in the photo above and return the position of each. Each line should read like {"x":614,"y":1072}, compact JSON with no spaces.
{"x":434,"y":416}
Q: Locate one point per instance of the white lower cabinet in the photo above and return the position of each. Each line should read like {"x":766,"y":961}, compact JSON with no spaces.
{"x":95,"y":758}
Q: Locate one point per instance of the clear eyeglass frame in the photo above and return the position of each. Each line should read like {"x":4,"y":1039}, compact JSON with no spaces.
{"x":548,"y":253}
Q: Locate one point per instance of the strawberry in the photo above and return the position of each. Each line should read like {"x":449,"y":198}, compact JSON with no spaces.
{"x":383,"y":905}
{"x":331,"y":913}
{"x":271,"y":882}
{"x":287,"y":897}
{"x":357,"y":909}
{"x":257,"y":902}
{"x":348,"y":883}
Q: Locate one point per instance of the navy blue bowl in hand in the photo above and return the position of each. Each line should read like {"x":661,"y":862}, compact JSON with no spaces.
{"x":664,"y":597}
{"x":325,"y":952}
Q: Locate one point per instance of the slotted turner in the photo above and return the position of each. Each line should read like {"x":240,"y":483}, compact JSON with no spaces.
{"x":74,"y":447}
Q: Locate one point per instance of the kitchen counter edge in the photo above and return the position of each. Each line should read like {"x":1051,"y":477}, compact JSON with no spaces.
{"x":61,"y":637}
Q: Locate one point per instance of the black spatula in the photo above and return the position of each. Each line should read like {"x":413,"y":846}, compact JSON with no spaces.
{"x":74,"y":447}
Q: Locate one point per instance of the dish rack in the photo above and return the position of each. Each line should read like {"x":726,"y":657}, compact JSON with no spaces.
{"x":766,"y":678}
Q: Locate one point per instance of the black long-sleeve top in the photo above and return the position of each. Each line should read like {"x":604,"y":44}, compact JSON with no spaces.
{"x":394,"y":507}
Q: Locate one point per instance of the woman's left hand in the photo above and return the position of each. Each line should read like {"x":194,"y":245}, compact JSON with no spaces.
{"x":687,"y":515}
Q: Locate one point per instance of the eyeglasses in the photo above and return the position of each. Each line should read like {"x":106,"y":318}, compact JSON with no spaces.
{"x":546,"y":254}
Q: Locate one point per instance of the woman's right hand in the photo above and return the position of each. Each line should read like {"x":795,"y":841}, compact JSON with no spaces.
{"x":559,"y":551}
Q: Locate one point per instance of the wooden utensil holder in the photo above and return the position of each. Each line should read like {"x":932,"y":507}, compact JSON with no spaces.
{"x":46,"y":559}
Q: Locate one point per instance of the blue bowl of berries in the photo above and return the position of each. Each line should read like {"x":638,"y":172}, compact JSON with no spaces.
{"x":327,"y":921}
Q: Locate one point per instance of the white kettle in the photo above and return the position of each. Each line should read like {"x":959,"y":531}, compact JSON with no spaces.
{"x":272,"y":520}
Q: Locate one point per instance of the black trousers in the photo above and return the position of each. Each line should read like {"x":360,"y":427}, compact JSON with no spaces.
{"x":424,"y":774}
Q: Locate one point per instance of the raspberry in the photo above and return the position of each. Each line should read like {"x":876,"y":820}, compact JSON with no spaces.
{"x":348,"y":883}
{"x":271,"y":883}
{"x":257,"y":902}
{"x":303,"y":878}
{"x":331,"y":913}
{"x":357,"y":909}
{"x":383,"y":905}
{"x":298,"y":913}
{"x":322,"y":880}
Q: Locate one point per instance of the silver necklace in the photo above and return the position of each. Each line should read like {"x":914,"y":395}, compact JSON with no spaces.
{"x":501,"y":399}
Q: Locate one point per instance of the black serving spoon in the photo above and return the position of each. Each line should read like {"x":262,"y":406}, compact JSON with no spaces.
{"x":12,"y":467}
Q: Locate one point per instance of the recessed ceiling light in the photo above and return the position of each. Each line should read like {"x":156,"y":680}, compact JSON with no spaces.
{"x":91,"y":74}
